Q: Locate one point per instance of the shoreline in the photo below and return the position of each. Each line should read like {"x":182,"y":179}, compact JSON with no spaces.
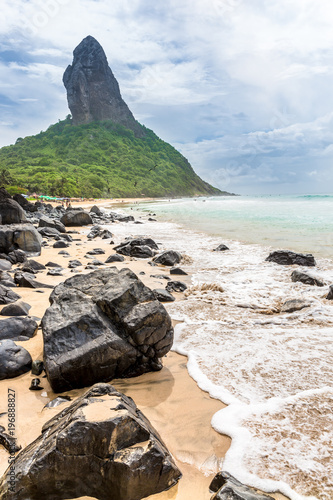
{"x":197,"y":448}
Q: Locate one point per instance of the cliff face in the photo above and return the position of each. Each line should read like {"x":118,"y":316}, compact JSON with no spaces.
{"x":93,"y":91}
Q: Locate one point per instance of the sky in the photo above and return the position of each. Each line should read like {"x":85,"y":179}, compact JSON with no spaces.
{"x":242,"y":88}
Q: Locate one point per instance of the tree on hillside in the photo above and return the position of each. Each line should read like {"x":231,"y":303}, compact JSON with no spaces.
{"x":5,"y":177}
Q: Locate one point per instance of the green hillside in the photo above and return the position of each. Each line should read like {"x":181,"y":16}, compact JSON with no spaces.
{"x":100,"y":159}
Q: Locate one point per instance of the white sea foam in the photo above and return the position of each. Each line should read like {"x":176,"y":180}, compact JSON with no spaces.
{"x":273,"y":369}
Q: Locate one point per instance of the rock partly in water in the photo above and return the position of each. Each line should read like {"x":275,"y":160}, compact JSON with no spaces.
{"x":221,"y":248}
{"x":330,"y":293}
{"x":103,"y":325}
{"x":226,"y":487}
{"x":294,"y":305}
{"x":93,"y":92}
{"x":305,"y":278}
{"x":15,"y":360}
{"x":168,"y":258}
{"x":19,"y":328}
{"x":288,"y":258}
{"x":100,"y":446}
{"x":76,"y":218}
{"x":176,"y":286}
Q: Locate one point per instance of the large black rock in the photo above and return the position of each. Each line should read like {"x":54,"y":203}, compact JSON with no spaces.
{"x":288,"y":258}
{"x":15,"y":360}
{"x":100,"y":446}
{"x":103,"y":325}
{"x":11,"y":212}
{"x":229,"y":488}
{"x":20,"y":236}
{"x":168,"y":258}
{"x":19,"y":328}
{"x":7,"y":296}
{"x":76,"y":218}
{"x":92,"y":91}
{"x":137,"y":247}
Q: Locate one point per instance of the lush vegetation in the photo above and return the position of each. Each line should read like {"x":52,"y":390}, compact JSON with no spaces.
{"x":100,"y":159}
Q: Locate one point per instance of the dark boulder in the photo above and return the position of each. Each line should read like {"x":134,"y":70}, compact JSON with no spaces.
{"x":114,"y":258}
{"x":330,"y":293}
{"x":293,"y":305}
{"x":163,"y":295}
{"x":226,"y":487}
{"x":49,"y":232}
{"x":101,"y":446}
{"x":19,"y":328}
{"x":52,"y":264}
{"x":53,"y":223}
{"x":76,"y":218}
{"x":137,"y":247}
{"x":103,"y":325}
{"x":305,"y":278}
{"x":20,"y":236}
{"x":288,"y":258}
{"x":34,"y":265}
{"x":17,"y":256}
{"x":96,"y":251}
{"x":27,"y":280}
{"x":176,"y":286}
{"x":19,"y":308}
{"x":5,"y":265}
{"x":60,"y":244}
{"x":96,"y":210}
{"x":11,"y":212}
{"x":7,"y":296}
{"x":221,"y":248}
{"x":15,"y":360}
{"x":98,"y":231}
{"x":56,"y":271}
{"x":177,"y":270}
{"x":168,"y":258}
{"x":24,"y":203}
{"x":74,"y":263}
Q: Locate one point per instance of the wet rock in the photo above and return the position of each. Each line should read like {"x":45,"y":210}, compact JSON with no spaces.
{"x":163,"y":295}
{"x":330,"y":293}
{"x":103,"y":325}
{"x":294,"y":305}
{"x":7,"y":296}
{"x":100,"y":446}
{"x":76,"y":218}
{"x":35,"y":385}
{"x":221,"y":248}
{"x":114,"y":258}
{"x":57,"y":401}
{"x":15,"y":360}
{"x":176,"y":286}
{"x":137,"y":247}
{"x":226,"y":487}
{"x":177,"y":270}
{"x":19,"y":328}
{"x":288,"y":258}
{"x":168,"y":258}
{"x":305,"y":278}
{"x":37,"y":367}
{"x":16,"y":309}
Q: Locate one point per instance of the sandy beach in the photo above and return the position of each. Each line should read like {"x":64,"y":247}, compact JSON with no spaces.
{"x":170,"y":399}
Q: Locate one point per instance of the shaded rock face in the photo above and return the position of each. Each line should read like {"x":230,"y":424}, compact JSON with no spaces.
{"x":11,"y":212}
{"x":288,"y":258}
{"x":92,"y":90}
{"x":20,"y":236}
{"x":305,"y":278}
{"x":100,"y":446}
{"x":15,"y":360}
{"x":103,"y":325}
{"x":228,"y":488}
{"x":76,"y":218}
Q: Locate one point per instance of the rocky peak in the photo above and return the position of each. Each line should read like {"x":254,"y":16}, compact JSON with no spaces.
{"x":93,"y":91}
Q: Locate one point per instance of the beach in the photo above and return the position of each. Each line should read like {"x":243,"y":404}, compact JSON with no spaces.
{"x":179,"y":410}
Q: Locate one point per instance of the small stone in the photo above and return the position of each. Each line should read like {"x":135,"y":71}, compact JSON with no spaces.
{"x":221,"y":248}
{"x":37,"y":367}
{"x":35,"y":385}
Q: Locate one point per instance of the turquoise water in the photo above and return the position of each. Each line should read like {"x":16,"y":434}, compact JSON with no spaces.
{"x":301,"y":222}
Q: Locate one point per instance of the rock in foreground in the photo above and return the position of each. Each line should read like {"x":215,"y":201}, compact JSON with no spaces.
{"x":100,"y":446}
{"x":288,"y":258}
{"x":103,"y":325}
{"x":228,"y":488}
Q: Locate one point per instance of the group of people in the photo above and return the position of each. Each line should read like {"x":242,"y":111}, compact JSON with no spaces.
{"x":66,"y":203}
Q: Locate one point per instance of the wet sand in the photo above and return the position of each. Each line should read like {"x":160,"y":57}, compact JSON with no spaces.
{"x":170,"y":399}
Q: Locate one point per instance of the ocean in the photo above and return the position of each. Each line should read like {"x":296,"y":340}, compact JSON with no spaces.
{"x":273,"y":369}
